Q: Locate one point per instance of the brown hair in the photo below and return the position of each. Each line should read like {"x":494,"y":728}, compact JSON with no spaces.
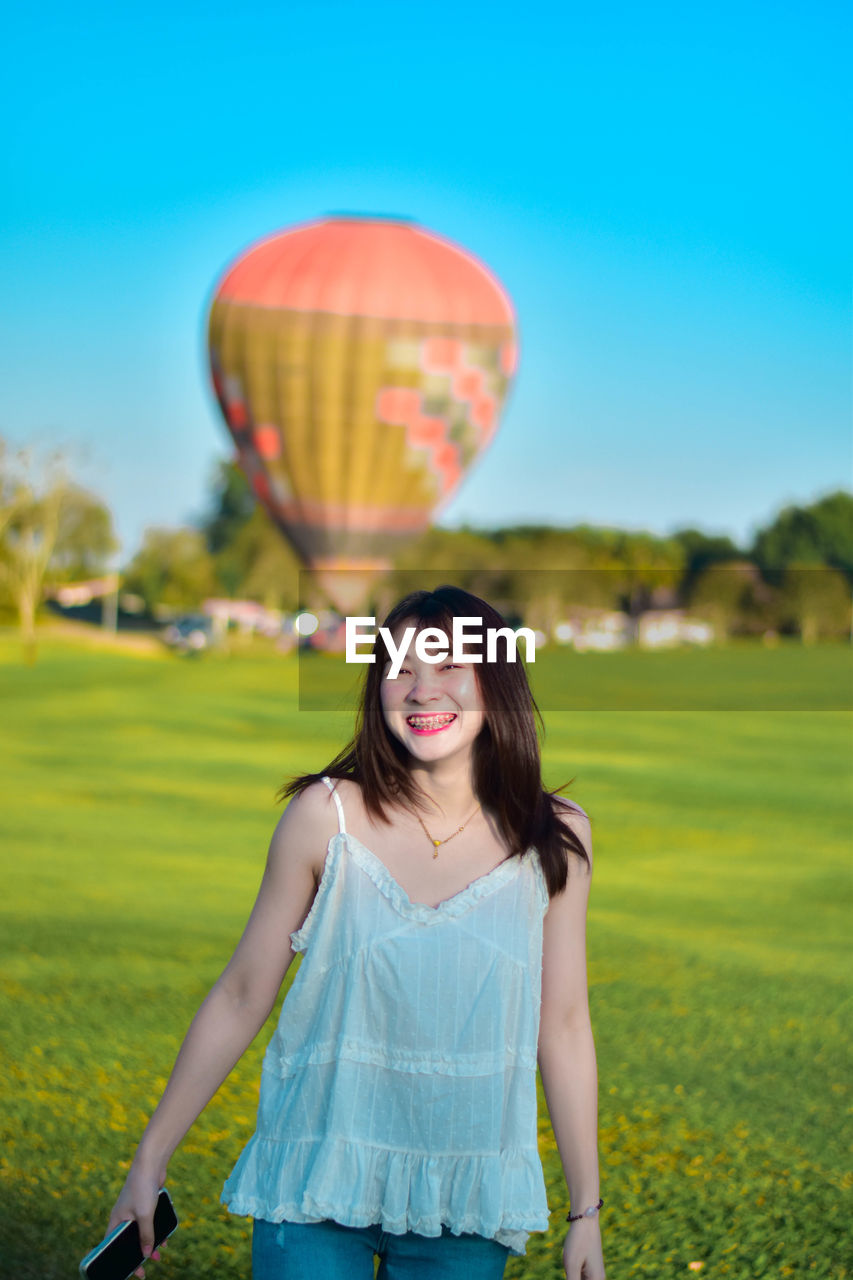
{"x":506,"y":760}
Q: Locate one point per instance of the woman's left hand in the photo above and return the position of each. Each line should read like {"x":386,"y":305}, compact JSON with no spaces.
{"x":582,"y":1256}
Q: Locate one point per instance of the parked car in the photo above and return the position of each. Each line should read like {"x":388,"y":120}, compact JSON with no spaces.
{"x":191,"y":634}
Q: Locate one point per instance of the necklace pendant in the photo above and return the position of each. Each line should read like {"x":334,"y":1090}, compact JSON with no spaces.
{"x":435,"y":850}
{"x":436,"y":843}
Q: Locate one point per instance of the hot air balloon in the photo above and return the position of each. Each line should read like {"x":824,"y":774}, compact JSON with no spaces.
{"x":360,"y":364}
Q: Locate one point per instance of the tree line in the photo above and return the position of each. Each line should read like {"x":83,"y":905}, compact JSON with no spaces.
{"x":796,"y":576}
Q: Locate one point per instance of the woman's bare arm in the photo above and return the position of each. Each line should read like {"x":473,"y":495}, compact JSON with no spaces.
{"x":567,"y":1062}
{"x":239,"y":1002}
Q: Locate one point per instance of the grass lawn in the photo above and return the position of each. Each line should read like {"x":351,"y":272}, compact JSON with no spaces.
{"x":138,"y":802}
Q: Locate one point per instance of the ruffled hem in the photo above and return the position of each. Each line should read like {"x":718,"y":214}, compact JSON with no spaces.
{"x":500,"y":1197}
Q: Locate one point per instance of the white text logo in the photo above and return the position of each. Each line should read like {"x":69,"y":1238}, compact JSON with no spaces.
{"x":432,"y":644}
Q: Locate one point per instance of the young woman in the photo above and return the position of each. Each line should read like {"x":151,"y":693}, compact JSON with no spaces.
{"x":438,"y":895}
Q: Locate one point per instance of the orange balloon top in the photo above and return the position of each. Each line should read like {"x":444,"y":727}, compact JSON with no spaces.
{"x":368,"y":267}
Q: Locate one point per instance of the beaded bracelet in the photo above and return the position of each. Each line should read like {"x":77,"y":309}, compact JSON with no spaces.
{"x":587,"y":1213}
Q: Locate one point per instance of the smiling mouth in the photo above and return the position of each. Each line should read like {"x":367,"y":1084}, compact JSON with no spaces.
{"x":430,"y":724}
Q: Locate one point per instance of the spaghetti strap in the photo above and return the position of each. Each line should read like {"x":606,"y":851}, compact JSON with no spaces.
{"x":337,"y":800}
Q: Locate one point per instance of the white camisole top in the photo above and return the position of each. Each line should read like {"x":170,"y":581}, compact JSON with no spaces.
{"x":399,"y":1087}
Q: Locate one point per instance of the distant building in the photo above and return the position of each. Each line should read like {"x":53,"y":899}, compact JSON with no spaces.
{"x":247,"y":615}
{"x":74,"y":594}
{"x":665,"y":628}
{"x":608,"y":629}
{"x":585,"y":627}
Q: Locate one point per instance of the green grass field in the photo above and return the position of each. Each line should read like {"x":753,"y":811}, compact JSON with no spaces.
{"x":137,"y":808}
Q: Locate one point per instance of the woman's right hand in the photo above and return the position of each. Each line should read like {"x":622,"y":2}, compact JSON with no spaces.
{"x":137,"y":1202}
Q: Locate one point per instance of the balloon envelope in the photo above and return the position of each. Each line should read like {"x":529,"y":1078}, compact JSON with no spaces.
{"x":361,"y":365}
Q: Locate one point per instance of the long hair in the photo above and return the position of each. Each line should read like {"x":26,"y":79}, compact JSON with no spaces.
{"x":507,"y":769}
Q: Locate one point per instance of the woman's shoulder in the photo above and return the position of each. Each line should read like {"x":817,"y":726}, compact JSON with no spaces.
{"x":308,"y":823}
{"x":576,"y":819}
{"x":312,"y":800}
{"x":566,"y":807}
{"x":316,"y":803}
{"x":347,"y":788}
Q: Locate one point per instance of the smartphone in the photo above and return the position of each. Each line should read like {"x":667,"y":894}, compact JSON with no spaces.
{"x":120,"y":1253}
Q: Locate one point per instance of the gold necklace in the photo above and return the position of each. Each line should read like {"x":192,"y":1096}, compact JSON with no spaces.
{"x":436,"y":843}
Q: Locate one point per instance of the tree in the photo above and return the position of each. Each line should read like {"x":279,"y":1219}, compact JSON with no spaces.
{"x":454,"y":553}
{"x":252,"y":559}
{"x":48,"y":525}
{"x":552,"y":570}
{"x":173,"y":567}
{"x":261,"y":564}
{"x":85,"y":540}
{"x":821,"y":534}
{"x":816,"y":599}
{"x":231,"y":506}
{"x":702,"y":550}
{"x":726,"y":594}
{"x":646,"y":564}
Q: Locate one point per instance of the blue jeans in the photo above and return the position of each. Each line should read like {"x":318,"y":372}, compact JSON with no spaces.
{"x":329,"y":1251}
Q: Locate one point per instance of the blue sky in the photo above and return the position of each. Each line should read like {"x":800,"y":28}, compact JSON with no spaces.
{"x":664,"y":190}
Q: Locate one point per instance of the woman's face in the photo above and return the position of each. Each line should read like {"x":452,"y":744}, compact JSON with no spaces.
{"x":434,"y":709}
